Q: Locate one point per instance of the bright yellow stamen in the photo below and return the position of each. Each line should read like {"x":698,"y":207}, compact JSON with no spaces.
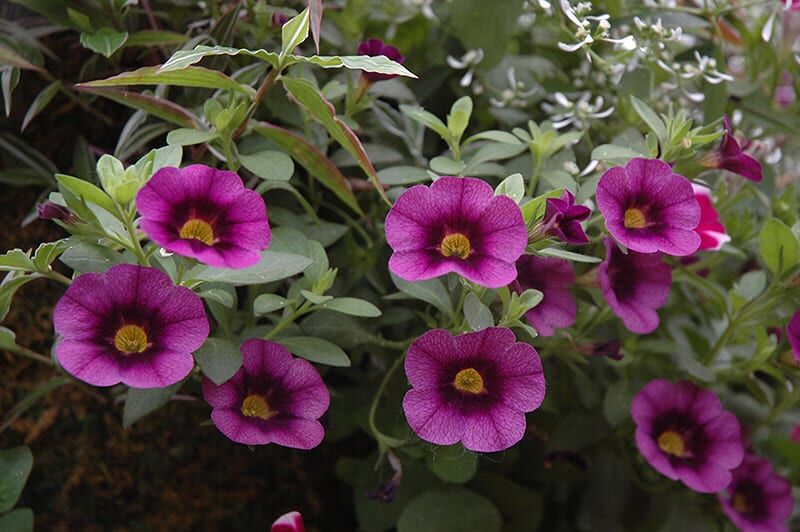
{"x":131,"y":339}
{"x":634,"y":219}
{"x":672,"y":443}
{"x":197,"y":229}
{"x":469,"y":381}
{"x":455,"y":244}
{"x":256,"y":406}
{"x":740,"y":503}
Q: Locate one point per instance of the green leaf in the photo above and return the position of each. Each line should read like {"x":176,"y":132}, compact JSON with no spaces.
{"x":569,"y":255}
{"x":450,"y":510}
{"x":317,"y":299}
{"x":18,"y":520}
{"x":40,"y":102}
{"x":477,"y":314}
{"x":615,"y":154}
{"x":15,"y":466}
{"x":315,"y":9}
{"x":189,"y":137}
{"x":314,"y":161}
{"x":273,"y":266}
{"x":513,"y":186}
{"x":140,"y":402}
{"x":149,"y":38}
{"x":431,"y":291}
{"x":353,"y":307}
{"x":403,"y":175}
{"x":9,"y":79}
{"x":187,"y":77}
{"x":86,"y":191}
{"x":85,"y":257}
{"x":323,"y":112}
{"x":294,"y":33}
{"x":269,"y":164}
{"x":535,"y":208}
{"x":452,"y":463}
{"x":458,"y":119}
{"x":266,"y":303}
{"x":316,"y":350}
{"x":158,"y":107}
{"x":650,"y":118}
{"x":427,"y":119}
{"x":105,"y":41}
{"x":489,"y":26}
{"x":16,"y":260}
{"x":184,"y":58}
{"x":8,"y":338}
{"x":219,"y":359}
{"x":9,"y":286}
{"x":778,"y":246}
{"x":12,"y":58}
{"x":47,"y":252}
{"x":617,"y":402}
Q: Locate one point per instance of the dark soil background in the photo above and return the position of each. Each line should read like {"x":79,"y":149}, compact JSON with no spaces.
{"x":168,"y":472}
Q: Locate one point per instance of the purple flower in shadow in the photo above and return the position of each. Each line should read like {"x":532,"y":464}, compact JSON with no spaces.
{"x":757,"y":499}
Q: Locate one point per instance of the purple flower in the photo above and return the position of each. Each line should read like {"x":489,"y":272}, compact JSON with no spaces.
{"x":712,"y":233}
{"x":474,"y":388}
{"x":206,"y":214}
{"x":793,"y":333}
{"x":731,"y":157}
{"x":375,"y":47}
{"x":552,"y":277}
{"x":634,"y":285}
{"x":273,"y":398}
{"x":53,"y":211}
{"x":757,"y":499}
{"x":279,"y":19}
{"x":562,"y":219}
{"x":649,"y":208}
{"x":129,"y":325}
{"x":456,"y":225}
{"x":686,"y":435}
{"x":289,"y":522}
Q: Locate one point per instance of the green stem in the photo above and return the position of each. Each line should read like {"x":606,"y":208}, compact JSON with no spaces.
{"x":61,"y":278}
{"x":535,"y":173}
{"x":288,"y":320}
{"x":270,"y":80}
{"x":383,"y":439}
{"x":136,"y":246}
{"x":29,"y":353}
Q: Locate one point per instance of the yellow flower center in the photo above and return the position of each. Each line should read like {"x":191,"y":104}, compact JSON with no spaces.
{"x":197,"y":229}
{"x":131,"y":339}
{"x":256,"y":406}
{"x":634,"y":219}
{"x":740,"y":503}
{"x":672,"y":443}
{"x":455,"y":244}
{"x":469,"y":381}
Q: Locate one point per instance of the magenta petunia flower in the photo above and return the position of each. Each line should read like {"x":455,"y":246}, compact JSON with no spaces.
{"x":53,"y":211}
{"x":474,"y":388}
{"x":686,"y":435}
{"x":649,"y":208}
{"x":730,"y":156}
{"x":552,"y":277}
{"x":757,"y":499}
{"x":129,"y":325}
{"x":206,"y":214}
{"x":634,"y":286}
{"x":793,"y":334}
{"x":375,"y":47}
{"x":273,"y":398}
{"x":785,"y":94}
{"x":456,"y":225}
{"x":562,"y":219}
{"x":289,"y":522}
{"x":712,"y":232}
{"x":795,"y":434}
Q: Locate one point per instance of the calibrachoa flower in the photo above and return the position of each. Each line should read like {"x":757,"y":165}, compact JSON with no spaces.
{"x":289,"y":522}
{"x":793,"y":333}
{"x":562,"y":219}
{"x":757,"y":499}
{"x":129,"y":325}
{"x":795,"y":435}
{"x":686,"y":435}
{"x":712,"y":232}
{"x":206,"y":214}
{"x":730,"y":156}
{"x":374,"y":47}
{"x":552,"y":277}
{"x":456,"y":225}
{"x":273,"y":398}
{"x":53,"y":211}
{"x":634,"y":285}
{"x":649,"y":208}
{"x":474,"y":388}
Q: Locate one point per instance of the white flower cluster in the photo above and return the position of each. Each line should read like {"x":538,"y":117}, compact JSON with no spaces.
{"x":516,"y":95}
{"x":578,"y":113}
{"x":590,"y":28}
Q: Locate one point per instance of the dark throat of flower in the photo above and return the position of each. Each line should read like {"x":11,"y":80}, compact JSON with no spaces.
{"x":131,"y":339}
{"x":256,"y":405}
{"x":455,"y":245}
{"x":469,"y":381}
{"x":198,"y":229}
